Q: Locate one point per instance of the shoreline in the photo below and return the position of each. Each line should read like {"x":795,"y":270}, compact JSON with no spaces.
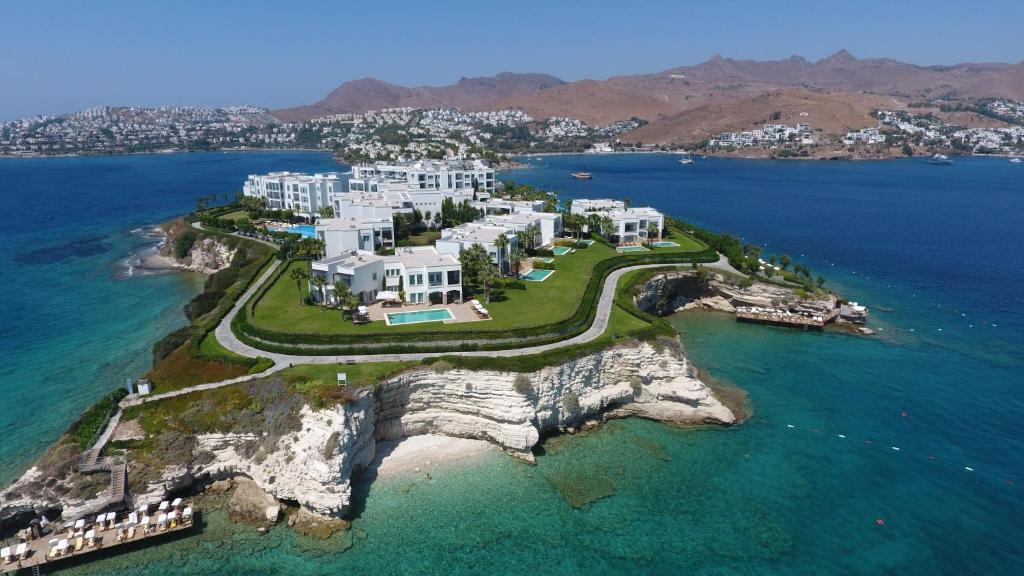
{"x":425,"y":454}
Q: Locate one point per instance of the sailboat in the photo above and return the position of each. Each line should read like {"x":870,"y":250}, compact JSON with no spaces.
{"x":686,"y":158}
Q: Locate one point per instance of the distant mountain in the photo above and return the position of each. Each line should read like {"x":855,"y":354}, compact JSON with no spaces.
{"x":372,"y":94}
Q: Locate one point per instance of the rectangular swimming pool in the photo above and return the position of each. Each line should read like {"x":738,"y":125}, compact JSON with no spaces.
{"x":560,"y":250}
{"x":545,"y":260}
{"x":664,"y":244}
{"x":586,"y":243}
{"x":417,"y":316}
{"x":622,"y":249}
{"x":536,"y":275}
{"x":305,"y":230}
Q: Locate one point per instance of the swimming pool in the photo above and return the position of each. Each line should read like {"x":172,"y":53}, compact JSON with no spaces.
{"x":622,"y":249}
{"x":434,"y":315}
{"x":664,"y":244}
{"x":306,"y":230}
{"x":585,"y":242}
{"x":560,"y":250}
{"x":536,"y":275}
{"x":544,"y":260}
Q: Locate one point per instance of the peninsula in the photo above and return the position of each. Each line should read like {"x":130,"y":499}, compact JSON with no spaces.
{"x":402,"y":299}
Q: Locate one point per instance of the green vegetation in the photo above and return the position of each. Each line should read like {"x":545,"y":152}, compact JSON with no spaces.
{"x":534,"y":312}
{"x":89,"y":424}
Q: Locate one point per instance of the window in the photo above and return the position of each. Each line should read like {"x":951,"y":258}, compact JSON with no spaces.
{"x":435,"y":278}
{"x":454,"y":277}
{"x":415,"y":279}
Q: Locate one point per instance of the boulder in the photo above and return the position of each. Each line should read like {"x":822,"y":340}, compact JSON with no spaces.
{"x":314,"y":525}
{"x":251,"y":505}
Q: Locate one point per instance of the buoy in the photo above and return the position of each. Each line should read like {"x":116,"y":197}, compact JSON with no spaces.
{"x":968,"y":468}
{"x":895,"y":448}
{"x":904,"y":414}
{"x":790,"y":426}
{"x":841,"y":435}
{"x":880,"y":521}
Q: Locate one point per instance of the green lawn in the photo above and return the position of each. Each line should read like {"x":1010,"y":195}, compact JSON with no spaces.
{"x":541,"y":304}
{"x":427,"y":238}
{"x":236,"y":215}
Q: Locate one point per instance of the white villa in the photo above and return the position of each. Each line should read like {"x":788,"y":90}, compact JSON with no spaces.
{"x":303,"y":194}
{"x":343,"y":235}
{"x":454,"y":240}
{"x":502,"y":206}
{"x":629,"y":224}
{"x":440,"y":175}
{"x":584,"y":205}
{"x":549,"y":224}
{"x":424,"y":274}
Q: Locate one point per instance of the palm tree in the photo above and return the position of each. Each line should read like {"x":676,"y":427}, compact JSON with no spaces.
{"x":594,"y":223}
{"x":653,"y":232}
{"x":521,"y":239}
{"x":501,"y":243}
{"x":298,"y":274}
{"x":486,"y":277}
{"x":606,"y":226}
{"x":517,"y":258}
{"x":532,"y":231}
{"x":341,"y":292}
{"x":320,"y":282}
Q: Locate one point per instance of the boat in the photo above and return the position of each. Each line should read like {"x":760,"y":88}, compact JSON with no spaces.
{"x":686,"y":158}
{"x":1016,"y":160}
{"x":582,"y":175}
{"x":939,"y":159}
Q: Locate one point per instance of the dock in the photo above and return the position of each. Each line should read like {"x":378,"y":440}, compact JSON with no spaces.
{"x":37,"y":556}
{"x":806,"y":318}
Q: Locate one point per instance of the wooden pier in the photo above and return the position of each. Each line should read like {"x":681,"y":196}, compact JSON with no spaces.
{"x":778,"y":317}
{"x":38,"y":558}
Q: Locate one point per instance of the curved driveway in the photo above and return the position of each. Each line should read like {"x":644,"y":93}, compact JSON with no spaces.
{"x":228,"y":339}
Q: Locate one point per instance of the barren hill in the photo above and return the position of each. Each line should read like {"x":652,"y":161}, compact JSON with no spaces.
{"x":371,"y":94}
{"x":832,"y":112}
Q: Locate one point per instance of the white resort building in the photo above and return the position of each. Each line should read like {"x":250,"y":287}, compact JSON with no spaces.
{"x":423,"y":274}
{"x":454,"y":240}
{"x":584,"y":205}
{"x":303,"y":194}
{"x":549,"y":224}
{"x":629,"y":225}
{"x":343,"y":235}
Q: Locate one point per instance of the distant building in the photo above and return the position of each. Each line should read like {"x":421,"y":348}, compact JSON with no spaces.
{"x":303,"y":194}
{"x":549,"y":224}
{"x":342,"y":235}
{"x":584,"y":205}
{"x":629,"y":224}
{"x":454,"y":240}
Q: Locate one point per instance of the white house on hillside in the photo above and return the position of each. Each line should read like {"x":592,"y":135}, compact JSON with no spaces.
{"x":632,"y":225}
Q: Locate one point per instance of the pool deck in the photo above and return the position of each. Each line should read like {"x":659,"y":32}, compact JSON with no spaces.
{"x":463,"y":312}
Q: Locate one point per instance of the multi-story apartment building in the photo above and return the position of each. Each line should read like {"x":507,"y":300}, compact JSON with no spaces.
{"x":303,"y":194}
{"x":343,"y":235}
{"x":549,"y":224}
{"x":454,"y":240}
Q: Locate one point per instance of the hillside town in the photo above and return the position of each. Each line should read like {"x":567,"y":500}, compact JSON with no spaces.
{"x":903,"y":128}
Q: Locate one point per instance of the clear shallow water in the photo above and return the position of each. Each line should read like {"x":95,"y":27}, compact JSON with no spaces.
{"x":435,"y":315}
{"x":73,"y":325}
{"x":304,"y":230}
{"x":927,"y":247}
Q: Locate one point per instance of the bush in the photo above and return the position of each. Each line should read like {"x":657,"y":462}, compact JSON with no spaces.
{"x":183,"y":243}
{"x":170,"y":343}
{"x":511,"y":284}
{"x":522,"y":385}
{"x":542,"y":252}
{"x":262,"y":365}
{"x":202,"y":304}
{"x":541,"y":265}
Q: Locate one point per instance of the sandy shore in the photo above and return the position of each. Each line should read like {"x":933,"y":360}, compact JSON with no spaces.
{"x":424,"y":454}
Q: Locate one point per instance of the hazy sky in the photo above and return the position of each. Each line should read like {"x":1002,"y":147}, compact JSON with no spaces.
{"x":61,"y":56}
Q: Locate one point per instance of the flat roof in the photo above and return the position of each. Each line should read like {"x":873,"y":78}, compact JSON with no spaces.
{"x":419,"y":256}
{"x":473,"y":232}
{"x":349,"y":223}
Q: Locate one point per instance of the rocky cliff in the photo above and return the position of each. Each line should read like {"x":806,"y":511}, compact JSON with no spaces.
{"x":314,"y":466}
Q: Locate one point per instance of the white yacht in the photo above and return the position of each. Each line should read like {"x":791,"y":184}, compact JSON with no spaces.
{"x":686,"y":158}
{"x":940,"y":159}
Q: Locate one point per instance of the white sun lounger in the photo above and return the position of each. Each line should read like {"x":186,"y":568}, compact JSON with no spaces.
{"x":5,"y":555}
{"x":21,"y":552}
{"x":176,"y":503}
{"x":161,"y":521}
{"x":186,"y":514}
{"x":163,"y":506}
{"x":62,"y":546}
{"x":90,"y":537}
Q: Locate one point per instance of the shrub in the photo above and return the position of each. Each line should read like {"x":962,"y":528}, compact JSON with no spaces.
{"x":170,"y":343}
{"x":262,"y":365}
{"x":183,"y":243}
{"x":540,"y":265}
{"x":522,"y":385}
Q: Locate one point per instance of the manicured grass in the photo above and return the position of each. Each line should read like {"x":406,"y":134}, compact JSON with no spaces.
{"x":357,"y":374}
{"x":427,"y":238}
{"x":235,"y":215}
{"x":542,"y":303}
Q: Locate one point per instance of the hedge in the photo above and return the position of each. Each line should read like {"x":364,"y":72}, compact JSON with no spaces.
{"x":343,"y":343}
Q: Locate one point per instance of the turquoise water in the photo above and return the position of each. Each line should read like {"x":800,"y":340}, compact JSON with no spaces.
{"x":537,"y":275}
{"x":665,"y":244}
{"x":434,"y":315}
{"x":621,"y":249}
{"x":305,"y":230}
{"x":560,"y":250}
{"x":934,"y":251}
{"x":78,"y":317}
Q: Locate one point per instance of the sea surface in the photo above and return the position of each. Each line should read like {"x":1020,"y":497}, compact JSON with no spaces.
{"x":77,"y":318}
{"x":898,"y":453}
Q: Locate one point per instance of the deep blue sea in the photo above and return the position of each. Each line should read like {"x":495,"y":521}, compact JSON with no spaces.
{"x":899,"y":453}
